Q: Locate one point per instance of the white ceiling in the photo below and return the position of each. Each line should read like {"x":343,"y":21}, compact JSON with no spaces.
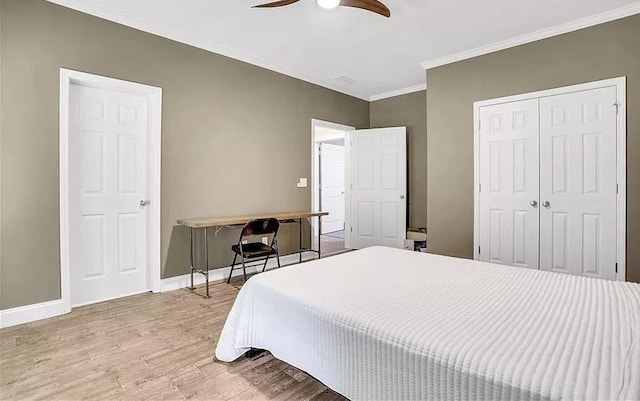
{"x":382,"y":55}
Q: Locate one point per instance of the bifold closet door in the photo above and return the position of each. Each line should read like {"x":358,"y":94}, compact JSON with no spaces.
{"x":508,"y":208}
{"x":578,"y":183}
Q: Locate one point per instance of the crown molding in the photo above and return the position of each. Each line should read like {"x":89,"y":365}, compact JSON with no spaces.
{"x":168,"y":33}
{"x":571,"y":26}
{"x":398,"y":92}
{"x":172,"y":34}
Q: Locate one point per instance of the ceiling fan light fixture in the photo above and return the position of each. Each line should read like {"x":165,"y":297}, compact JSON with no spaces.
{"x":374,"y":6}
{"x":328,"y":4}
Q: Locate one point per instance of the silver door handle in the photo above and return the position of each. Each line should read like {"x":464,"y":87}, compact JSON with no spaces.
{"x":144,"y":202}
{"x":401,"y":196}
{"x":534,"y":203}
{"x":546,"y":204}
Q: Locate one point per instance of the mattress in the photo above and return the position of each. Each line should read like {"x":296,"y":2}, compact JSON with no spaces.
{"x":389,"y":324}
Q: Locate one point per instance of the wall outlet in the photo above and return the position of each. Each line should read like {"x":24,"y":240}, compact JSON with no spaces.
{"x":244,"y":241}
{"x":302,"y":183}
{"x":265,"y":240}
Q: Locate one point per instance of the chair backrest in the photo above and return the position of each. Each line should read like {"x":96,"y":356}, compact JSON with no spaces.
{"x":261,"y":227}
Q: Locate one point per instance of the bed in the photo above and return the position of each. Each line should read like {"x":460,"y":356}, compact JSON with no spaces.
{"x":389,"y":324}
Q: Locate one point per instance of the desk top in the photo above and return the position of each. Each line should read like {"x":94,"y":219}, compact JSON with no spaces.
{"x":229,"y":221}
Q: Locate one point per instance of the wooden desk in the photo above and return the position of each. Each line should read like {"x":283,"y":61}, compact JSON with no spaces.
{"x":219,"y":223}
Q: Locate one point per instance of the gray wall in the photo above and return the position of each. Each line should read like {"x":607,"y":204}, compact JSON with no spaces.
{"x":224,"y":123}
{"x":409,"y":110}
{"x":604,"y":51}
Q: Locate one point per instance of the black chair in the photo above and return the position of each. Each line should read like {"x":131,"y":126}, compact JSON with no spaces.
{"x":254,"y":251}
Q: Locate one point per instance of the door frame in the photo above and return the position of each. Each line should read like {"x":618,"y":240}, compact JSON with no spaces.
{"x":154,"y":94}
{"x":620,"y":83}
{"x":315,"y":188}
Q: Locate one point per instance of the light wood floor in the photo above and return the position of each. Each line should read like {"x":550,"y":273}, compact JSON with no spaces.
{"x":150,"y":346}
{"x":331,"y":245}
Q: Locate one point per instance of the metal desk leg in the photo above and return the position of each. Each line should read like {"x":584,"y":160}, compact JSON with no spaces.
{"x":191,"y":256}
{"x":300,"y":237}
{"x":206,"y":258}
{"x":319,"y":236}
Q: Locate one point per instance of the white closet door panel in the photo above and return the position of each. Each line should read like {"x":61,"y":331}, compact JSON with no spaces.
{"x":578,"y":179}
{"x":509,"y":183}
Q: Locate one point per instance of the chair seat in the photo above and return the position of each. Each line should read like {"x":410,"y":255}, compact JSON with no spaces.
{"x":254,"y":250}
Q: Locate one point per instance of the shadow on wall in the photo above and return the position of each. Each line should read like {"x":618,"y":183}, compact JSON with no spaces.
{"x":178,"y":260}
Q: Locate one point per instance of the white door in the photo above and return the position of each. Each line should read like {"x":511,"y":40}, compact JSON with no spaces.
{"x":379,"y":187}
{"x":578,"y":183}
{"x":332,"y":176}
{"x":108,"y":180}
{"x":508,"y":208}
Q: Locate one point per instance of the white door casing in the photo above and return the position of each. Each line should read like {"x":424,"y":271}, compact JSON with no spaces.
{"x":108,"y":180}
{"x":379,"y":187}
{"x":332,"y":188}
{"x":578,"y":180}
{"x":509,"y":183}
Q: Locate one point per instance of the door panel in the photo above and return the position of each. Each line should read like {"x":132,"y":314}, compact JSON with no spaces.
{"x":108,"y":178}
{"x":332,"y":173}
{"x":509,"y":183}
{"x":379,"y":183}
{"x":578,"y":179}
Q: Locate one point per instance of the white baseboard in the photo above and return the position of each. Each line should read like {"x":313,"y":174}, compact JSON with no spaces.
{"x":45,"y":310}
{"x":221,"y":274}
{"x":30,"y":313}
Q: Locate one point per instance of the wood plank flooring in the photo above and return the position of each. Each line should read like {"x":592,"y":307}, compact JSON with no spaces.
{"x":149,"y":346}
{"x":332,"y":245}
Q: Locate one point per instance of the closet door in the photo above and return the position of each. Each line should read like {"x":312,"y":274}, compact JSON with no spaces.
{"x":508,"y":208}
{"x":578,"y":183}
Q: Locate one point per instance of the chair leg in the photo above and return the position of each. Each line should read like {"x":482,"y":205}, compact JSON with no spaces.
{"x":232,"y":266}
{"x":244,"y":270}
{"x":278,"y":258}
{"x":265,"y":263}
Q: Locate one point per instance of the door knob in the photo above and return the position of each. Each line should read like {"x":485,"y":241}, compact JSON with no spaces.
{"x":534,"y":203}
{"x":401,"y":196}
{"x":546,"y":204}
{"x":144,"y":202}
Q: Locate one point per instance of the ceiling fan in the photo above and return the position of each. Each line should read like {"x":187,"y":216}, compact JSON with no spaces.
{"x":369,"y":5}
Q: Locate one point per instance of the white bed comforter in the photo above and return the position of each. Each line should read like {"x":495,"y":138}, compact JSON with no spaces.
{"x":385,"y":324}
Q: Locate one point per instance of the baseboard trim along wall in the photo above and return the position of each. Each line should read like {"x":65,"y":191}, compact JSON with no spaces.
{"x":31,"y":313}
{"x":221,"y":274}
{"x":49,"y":309}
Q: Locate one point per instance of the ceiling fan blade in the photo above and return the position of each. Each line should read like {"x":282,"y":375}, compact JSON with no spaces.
{"x":370,"y":5}
{"x":276,"y":4}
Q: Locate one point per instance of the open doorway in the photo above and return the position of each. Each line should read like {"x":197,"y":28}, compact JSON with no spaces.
{"x":330,"y":183}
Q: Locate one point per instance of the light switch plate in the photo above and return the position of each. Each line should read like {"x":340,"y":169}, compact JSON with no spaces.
{"x":302,"y":183}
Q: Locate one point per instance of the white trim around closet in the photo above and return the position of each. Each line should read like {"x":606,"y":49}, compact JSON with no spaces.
{"x":621,"y":84}
{"x":154,"y":94}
